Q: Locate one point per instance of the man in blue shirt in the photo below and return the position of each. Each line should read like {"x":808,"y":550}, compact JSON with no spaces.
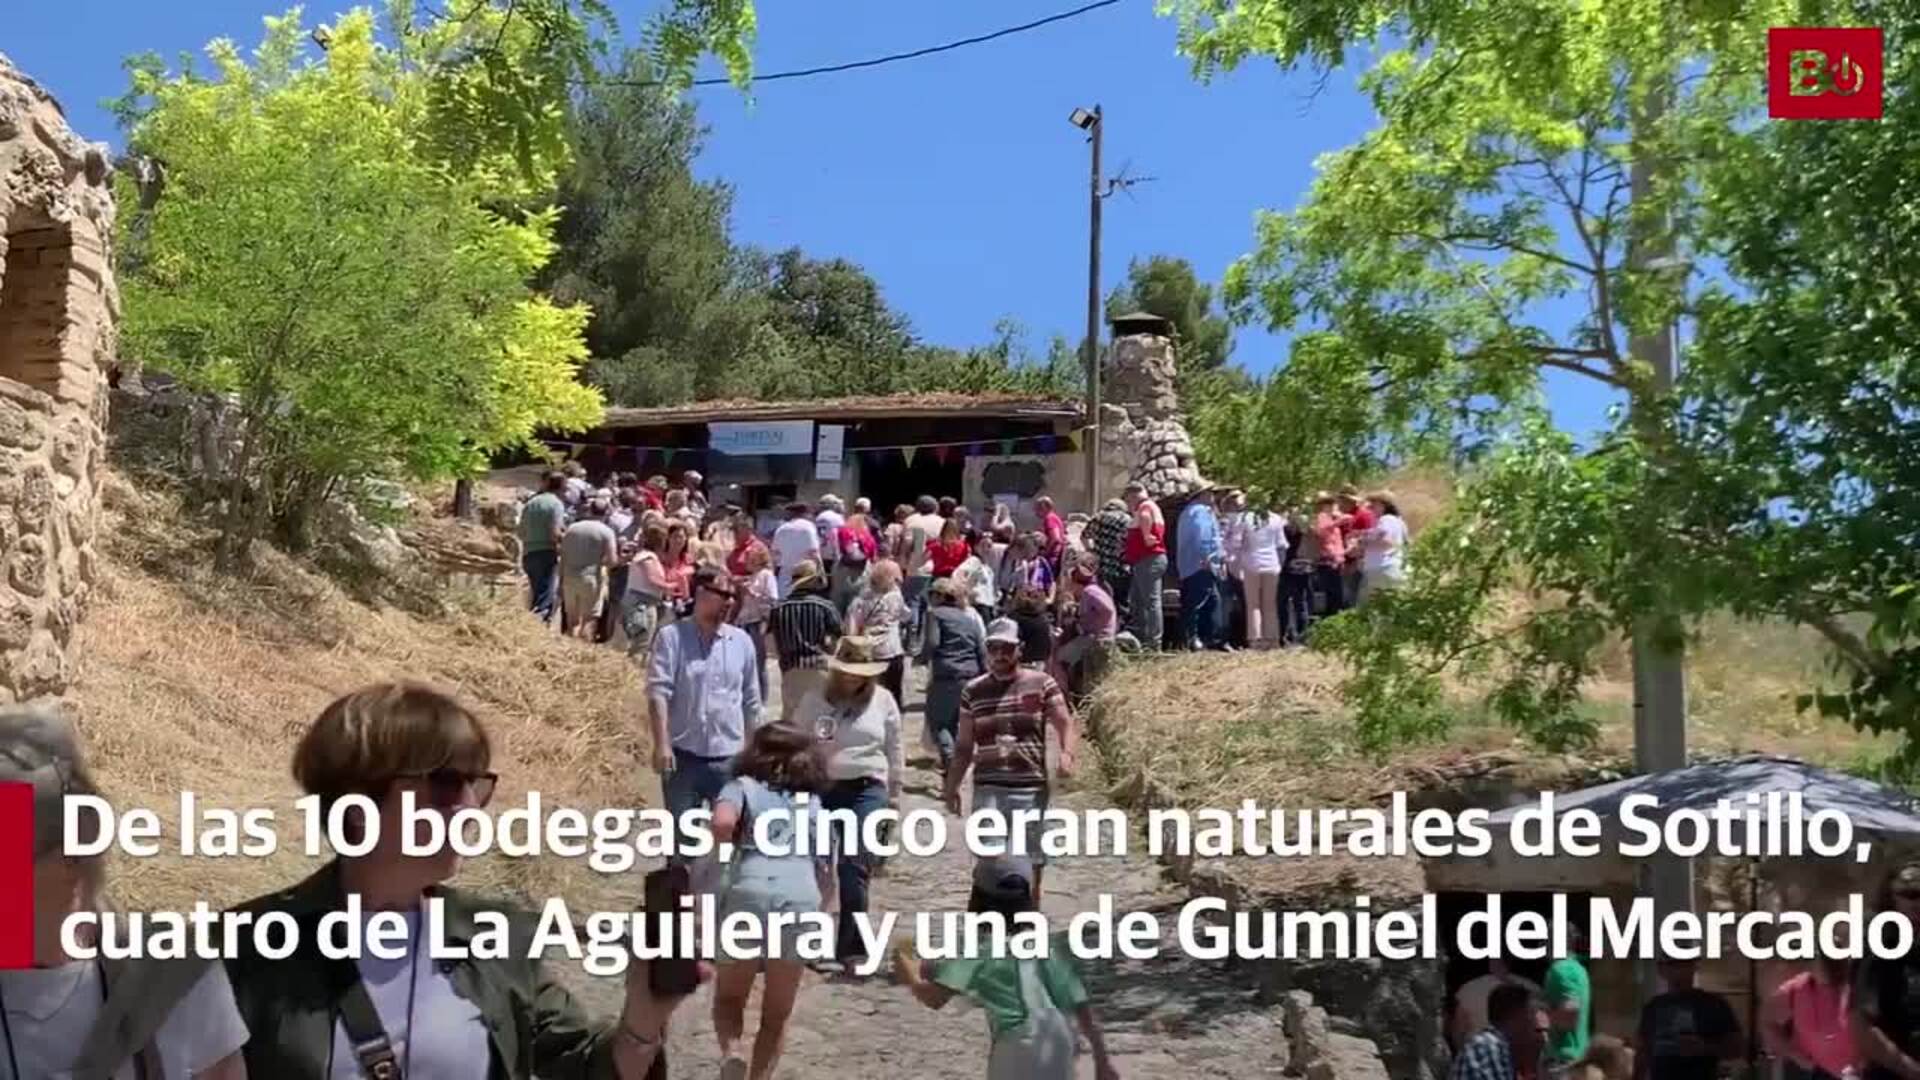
{"x":1202,"y":562}
{"x":703,"y":695}
{"x":542,"y":520}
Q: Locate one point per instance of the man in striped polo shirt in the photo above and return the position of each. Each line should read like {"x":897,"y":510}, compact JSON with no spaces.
{"x":804,"y":627}
{"x":1004,"y":716}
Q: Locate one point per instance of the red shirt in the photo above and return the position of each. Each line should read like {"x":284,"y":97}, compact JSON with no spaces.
{"x":1148,"y":536}
{"x":737,"y":558}
{"x":851,"y":539}
{"x":947,"y":555}
{"x":1355,"y":526}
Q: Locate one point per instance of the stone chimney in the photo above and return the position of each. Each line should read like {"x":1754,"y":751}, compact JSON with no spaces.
{"x":1144,"y":435}
{"x":59,"y":312}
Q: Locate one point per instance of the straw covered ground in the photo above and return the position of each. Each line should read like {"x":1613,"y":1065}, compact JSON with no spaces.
{"x":188,"y":681}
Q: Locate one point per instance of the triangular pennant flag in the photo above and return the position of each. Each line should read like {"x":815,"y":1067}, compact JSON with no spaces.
{"x":1073,"y":442}
{"x":940,"y":453}
{"x":639,"y":457}
{"x":1047,"y":444}
{"x":1006,"y":447}
{"x":666,"y":456}
{"x":908,"y":451}
{"x":975,"y":449}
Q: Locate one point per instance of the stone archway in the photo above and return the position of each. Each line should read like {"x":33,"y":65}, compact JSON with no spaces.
{"x":59,"y":310}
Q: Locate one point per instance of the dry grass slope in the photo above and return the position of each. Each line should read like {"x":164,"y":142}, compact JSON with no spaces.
{"x":191,"y":682}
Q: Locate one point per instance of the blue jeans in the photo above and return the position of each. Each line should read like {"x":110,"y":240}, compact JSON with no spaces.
{"x":695,"y":781}
{"x":864,"y":798}
{"x":943,"y":715}
{"x":1149,"y":618}
{"x":1296,"y":607}
{"x":542,"y":582}
{"x":1200,"y":614}
{"x":914,"y":592}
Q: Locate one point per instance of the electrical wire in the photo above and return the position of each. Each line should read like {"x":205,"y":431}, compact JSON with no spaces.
{"x":892,"y":58}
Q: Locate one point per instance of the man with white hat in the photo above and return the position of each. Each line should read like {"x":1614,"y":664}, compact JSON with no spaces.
{"x":1002,"y":740}
{"x":827,"y":523}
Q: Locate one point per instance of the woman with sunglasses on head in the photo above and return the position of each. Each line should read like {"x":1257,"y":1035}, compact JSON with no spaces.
{"x":480,"y":1018}
{"x":171,"y":1019}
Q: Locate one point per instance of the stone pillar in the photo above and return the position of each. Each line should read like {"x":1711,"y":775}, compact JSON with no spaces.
{"x":1143,"y":429}
{"x":59,"y":313}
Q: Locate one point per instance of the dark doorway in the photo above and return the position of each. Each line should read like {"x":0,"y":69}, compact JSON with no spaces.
{"x":890,"y":481}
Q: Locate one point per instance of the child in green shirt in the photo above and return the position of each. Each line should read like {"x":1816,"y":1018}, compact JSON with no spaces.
{"x":1027,"y":1001}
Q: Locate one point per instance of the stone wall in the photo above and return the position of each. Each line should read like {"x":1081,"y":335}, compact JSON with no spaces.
{"x":58,"y":316}
{"x":1144,"y":437}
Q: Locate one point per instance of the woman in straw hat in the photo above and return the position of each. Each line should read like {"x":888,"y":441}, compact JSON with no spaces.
{"x":93,"y":1018}
{"x":1383,"y":559}
{"x":858,"y":724}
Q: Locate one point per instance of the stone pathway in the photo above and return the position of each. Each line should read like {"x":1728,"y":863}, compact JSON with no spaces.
{"x":1169,"y":1018}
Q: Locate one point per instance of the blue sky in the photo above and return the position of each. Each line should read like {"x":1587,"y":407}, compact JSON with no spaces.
{"x":956,"y":179}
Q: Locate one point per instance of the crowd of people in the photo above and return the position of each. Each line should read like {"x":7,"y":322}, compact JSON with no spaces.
{"x":615,"y":563}
{"x":840,"y":604}
{"x":1836,"y":1019}
{"x":843,"y":605}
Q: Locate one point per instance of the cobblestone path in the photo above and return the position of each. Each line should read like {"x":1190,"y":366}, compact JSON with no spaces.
{"x":1168,"y":1018}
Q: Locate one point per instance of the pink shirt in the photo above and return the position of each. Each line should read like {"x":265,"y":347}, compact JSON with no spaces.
{"x":1817,"y":1012}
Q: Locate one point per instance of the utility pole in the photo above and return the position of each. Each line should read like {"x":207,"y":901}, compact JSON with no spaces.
{"x":1091,"y":434}
{"x":1659,"y":666}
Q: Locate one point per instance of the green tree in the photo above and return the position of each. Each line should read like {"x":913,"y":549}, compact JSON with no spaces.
{"x":1528,"y":156}
{"x":1801,"y":401}
{"x":1166,"y":286}
{"x":317,"y":255}
{"x":645,"y":244}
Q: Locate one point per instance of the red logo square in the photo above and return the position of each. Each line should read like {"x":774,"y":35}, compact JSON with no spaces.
{"x":1824,"y":73}
{"x":16,"y":875}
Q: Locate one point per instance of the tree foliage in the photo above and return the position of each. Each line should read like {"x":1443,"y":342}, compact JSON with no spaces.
{"x":1425,"y":274}
{"x":681,"y":313}
{"x":327,"y":253}
{"x":1802,"y":408}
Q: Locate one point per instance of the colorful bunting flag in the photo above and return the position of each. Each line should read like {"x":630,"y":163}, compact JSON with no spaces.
{"x":975,"y":449}
{"x":1046,"y":444}
{"x":1073,"y":442}
{"x":941,"y":453}
{"x":666,"y":456}
{"x":1006,"y":447}
{"x":908,"y":451}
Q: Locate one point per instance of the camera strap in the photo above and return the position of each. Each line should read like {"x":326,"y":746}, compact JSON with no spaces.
{"x":365,"y":1033}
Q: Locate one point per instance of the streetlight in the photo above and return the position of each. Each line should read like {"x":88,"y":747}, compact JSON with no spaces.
{"x":1089,"y":122}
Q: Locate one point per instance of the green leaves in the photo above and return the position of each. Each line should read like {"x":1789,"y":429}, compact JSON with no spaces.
{"x":317,"y":254}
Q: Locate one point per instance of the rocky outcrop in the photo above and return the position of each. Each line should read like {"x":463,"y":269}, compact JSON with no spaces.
{"x":59,"y":313}
{"x":1142,"y":429}
{"x":1318,"y":1051}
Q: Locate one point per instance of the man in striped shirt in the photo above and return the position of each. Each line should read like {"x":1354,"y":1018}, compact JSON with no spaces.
{"x":1004,"y":716}
{"x":804,"y":626}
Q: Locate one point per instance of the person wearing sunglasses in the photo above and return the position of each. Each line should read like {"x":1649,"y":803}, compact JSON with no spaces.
{"x":417,"y":1015}
{"x":1886,"y":992}
{"x":703,"y":695}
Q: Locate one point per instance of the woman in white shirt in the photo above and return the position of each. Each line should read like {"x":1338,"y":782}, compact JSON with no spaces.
{"x":1383,"y":562}
{"x":48,"y":1012}
{"x":857,"y":721}
{"x":1262,"y":536}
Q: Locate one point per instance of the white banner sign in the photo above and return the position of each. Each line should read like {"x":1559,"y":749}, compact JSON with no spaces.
{"x":770,"y":437}
{"x":828,"y":451}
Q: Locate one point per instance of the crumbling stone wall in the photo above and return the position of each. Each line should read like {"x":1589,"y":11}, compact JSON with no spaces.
{"x":1144,"y":436}
{"x":59,"y":311}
